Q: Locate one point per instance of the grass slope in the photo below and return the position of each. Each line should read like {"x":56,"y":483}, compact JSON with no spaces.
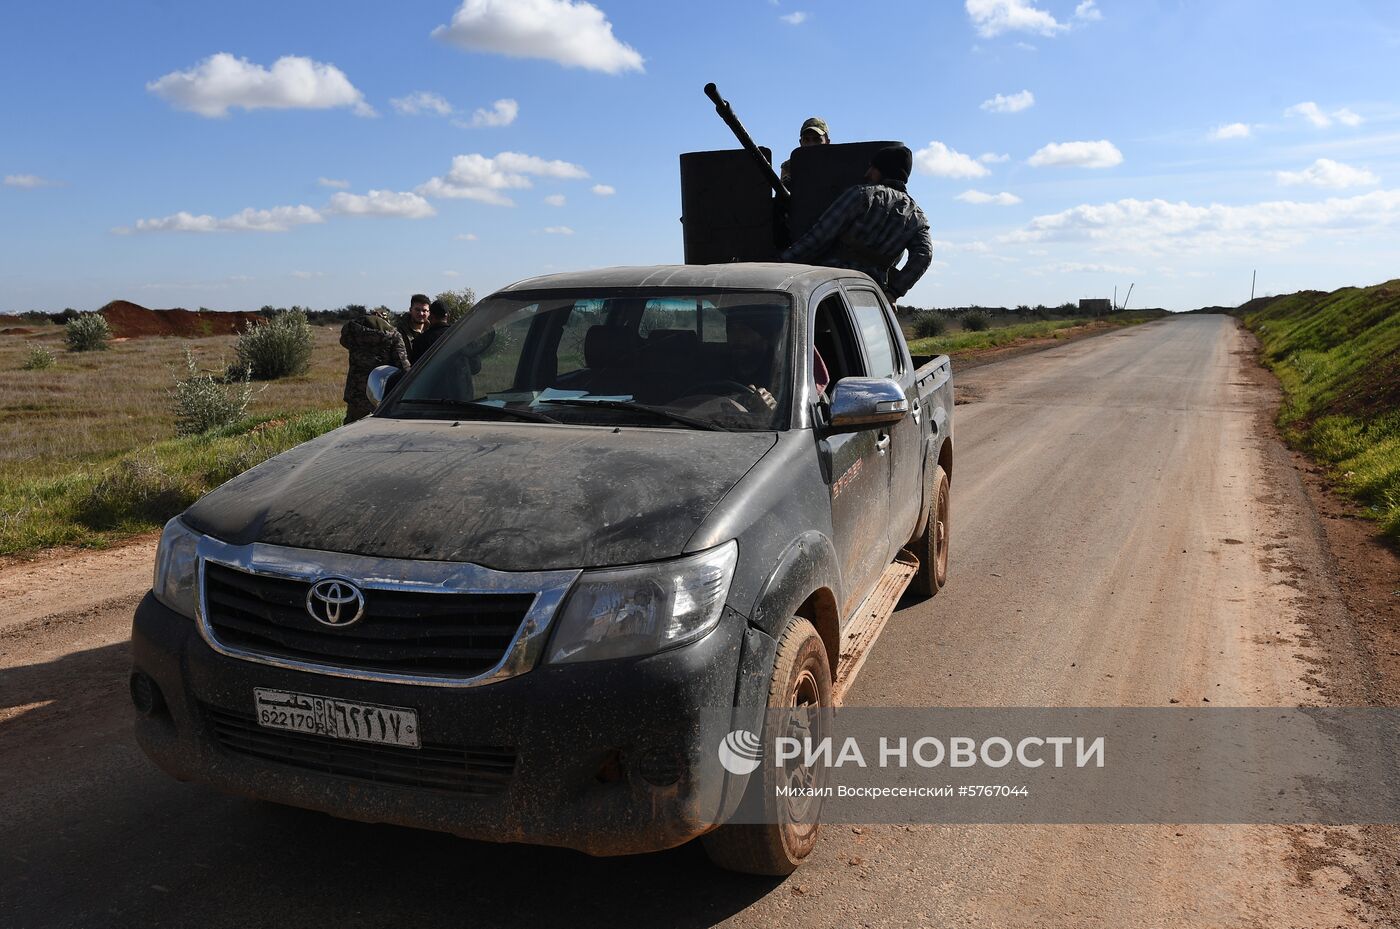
{"x":1338,"y":357}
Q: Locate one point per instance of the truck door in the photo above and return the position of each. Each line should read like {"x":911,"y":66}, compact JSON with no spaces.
{"x":887,"y":356}
{"x":855,"y":463}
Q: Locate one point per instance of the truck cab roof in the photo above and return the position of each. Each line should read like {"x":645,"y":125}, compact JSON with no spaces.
{"x":799,"y":280}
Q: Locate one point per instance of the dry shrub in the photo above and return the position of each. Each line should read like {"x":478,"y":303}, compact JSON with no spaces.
{"x":204,"y":400}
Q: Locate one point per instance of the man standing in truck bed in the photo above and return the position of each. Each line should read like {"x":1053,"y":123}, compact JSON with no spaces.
{"x":869,"y":226}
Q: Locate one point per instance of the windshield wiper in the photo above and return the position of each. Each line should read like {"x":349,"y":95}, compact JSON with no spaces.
{"x":531,"y":415}
{"x":656,"y":411}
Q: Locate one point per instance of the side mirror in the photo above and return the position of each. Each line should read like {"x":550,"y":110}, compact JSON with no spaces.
{"x":865,"y":402}
{"x":381,"y":381}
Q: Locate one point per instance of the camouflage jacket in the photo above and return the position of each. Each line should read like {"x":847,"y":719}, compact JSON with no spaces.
{"x":372,"y":341}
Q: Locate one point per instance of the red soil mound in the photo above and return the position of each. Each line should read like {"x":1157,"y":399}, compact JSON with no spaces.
{"x":129,"y":320}
{"x":16,"y":330}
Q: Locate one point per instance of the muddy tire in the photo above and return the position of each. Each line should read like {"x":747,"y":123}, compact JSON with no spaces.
{"x":801,"y":677}
{"x":932,"y":546}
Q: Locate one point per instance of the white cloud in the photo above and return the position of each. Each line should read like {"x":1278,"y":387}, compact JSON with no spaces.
{"x":604,"y":190}
{"x":572,"y":33}
{"x":307,"y":275}
{"x":476,"y":177}
{"x":420,"y":102}
{"x":1231,"y":131}
{"x":452,"y":274}
{"x":794,"y":19}
{"x":1087,"y":12}
{"x":335,"y":182}
{"x":1014,"y":103}
{"x":555,"y":200}
{"x":277,"y":219}
{"x":1347,"y":117}
{"x":993,"y":17}
{"x":1311,"y":112}
{"x":939,"y":160}
{"x":1080,"y":267}
{"x":382,"y":203}
{"x":28,"y":181}
{"x":1328,"y":173}
{"x":502,"y":113}
{"x":1321,"y":120}
{"x":1158,"y":226}
{"x":977,"y":196}
{"x":992,"y":158}
{"x":558,"y":230}
{"x":465,"y":237}
{"x":1100,"y":154}
{"x":293,"y":83}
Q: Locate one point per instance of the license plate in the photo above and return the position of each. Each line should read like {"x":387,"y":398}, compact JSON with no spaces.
{"x":336,"y":719}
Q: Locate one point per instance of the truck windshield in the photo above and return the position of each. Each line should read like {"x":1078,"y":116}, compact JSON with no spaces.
{"x":667,"y":359}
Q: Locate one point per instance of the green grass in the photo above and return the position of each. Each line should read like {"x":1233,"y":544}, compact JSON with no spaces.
{"x":1337,"y":356}
{"x":97,"y":503}
{"x":956,"y":342}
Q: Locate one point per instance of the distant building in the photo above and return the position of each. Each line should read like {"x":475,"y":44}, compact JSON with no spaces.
{"x":1095,"y":306}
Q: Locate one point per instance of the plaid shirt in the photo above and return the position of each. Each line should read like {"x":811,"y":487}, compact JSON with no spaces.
{"x":867,"y":229}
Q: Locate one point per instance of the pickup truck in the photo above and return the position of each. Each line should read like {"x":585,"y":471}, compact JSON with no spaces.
{"x":601,"y":503}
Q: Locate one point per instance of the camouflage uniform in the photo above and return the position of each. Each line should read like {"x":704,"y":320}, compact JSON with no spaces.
{"x":372,"y":341}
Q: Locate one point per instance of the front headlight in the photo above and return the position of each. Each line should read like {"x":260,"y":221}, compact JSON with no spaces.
{"x":176,"y":583}
{"x":644,"y":609}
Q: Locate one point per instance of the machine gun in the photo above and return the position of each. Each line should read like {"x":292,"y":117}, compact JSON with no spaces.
{"x":726,"y":113}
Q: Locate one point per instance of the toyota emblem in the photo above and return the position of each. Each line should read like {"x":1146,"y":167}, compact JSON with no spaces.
{"x":335,"y":602}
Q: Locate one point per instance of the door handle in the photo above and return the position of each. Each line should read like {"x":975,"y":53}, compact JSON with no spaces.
{"x":882,"y":443}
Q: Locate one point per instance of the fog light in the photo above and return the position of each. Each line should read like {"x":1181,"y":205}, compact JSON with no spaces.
{"x":145,"y":695}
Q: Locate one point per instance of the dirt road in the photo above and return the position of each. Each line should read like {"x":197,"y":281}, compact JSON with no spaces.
{"x":1124,"y":535}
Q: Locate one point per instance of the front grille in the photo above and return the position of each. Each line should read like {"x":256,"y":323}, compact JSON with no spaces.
{"x":403,"y":632}
{"x":482,"y":771}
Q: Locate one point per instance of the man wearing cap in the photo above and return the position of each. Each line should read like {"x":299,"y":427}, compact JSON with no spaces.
{"x":814,"y":132}
{"x":869,"y":226}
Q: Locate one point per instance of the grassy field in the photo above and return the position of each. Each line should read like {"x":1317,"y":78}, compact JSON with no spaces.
{"x":1337,"y":356}
{"x":1005,"y":331}
{"x":88,"y":451}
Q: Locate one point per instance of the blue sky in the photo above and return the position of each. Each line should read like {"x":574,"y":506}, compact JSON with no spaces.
{"x":318,"y":153}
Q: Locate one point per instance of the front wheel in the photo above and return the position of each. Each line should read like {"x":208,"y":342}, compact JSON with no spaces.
{"x":801,"y":681}
{"x":932,"y":546}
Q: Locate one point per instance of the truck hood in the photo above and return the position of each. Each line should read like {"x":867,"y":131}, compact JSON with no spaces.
{"x":509,"y":496}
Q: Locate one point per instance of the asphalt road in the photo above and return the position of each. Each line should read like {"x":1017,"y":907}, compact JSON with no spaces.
{"x":1124,"y":534}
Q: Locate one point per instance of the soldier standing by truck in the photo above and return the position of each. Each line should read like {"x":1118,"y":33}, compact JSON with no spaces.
{"x":372,"y":341}
{"x":869,"y":226}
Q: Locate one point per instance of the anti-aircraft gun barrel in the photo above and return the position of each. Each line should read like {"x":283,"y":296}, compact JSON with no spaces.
{"x":726,"y":113}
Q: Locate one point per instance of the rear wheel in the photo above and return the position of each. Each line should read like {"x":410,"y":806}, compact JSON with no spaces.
{"x":932,"y":546}
{"x":801,"y":681}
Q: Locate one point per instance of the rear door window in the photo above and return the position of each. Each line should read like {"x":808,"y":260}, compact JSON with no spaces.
{"x":884,"y":359}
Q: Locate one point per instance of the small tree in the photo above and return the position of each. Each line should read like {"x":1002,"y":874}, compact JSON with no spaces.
{"x":929,"y":324}
{"x":458,"y":302}
{"x":204,"y":400}
{"x":280,"y":347}
{"x":87,"y":332}
{"x":976,"y":320}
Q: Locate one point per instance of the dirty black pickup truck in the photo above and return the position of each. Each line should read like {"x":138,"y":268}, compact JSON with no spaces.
{"x":603,"y":502}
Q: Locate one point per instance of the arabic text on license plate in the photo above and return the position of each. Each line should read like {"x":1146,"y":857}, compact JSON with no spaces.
{"x":336,"y":719}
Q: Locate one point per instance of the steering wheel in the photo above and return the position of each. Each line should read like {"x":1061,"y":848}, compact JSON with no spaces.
{"x":749,"y":396}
